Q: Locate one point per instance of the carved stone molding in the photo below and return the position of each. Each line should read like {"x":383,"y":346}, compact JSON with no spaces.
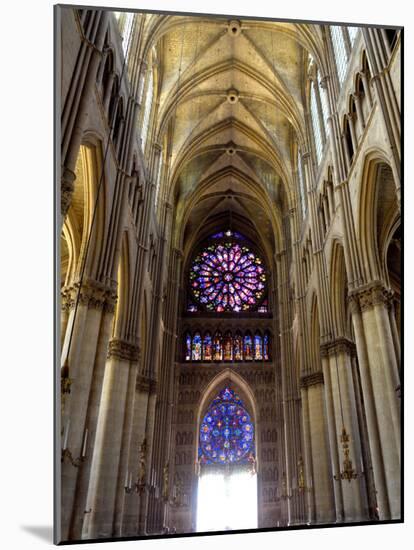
{"x":340,"y":345}
{"x":142,"y":383}
{"x":124,"y":350}
{"x":66,"y":192}
{"x":312,"y":379}
{"x":146,"y":384}
{"x":66,"y":301}
{"x":93,"y":295}
{"x":371,"y":295}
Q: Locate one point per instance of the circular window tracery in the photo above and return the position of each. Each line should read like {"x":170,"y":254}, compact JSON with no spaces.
{"x":226,"y":431}
{"x":227,"y":275}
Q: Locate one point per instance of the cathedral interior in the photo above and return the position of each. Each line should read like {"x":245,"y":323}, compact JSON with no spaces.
{"x":230,"y":276}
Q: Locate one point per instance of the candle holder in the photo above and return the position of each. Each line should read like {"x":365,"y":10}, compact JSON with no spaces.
{"x":348,"y":472}
{"x":67,"y":454}
{"x":302,"y":488}
{"x":285,"y":495}
{"x":76,"y":462}
{"x":138,"y":487}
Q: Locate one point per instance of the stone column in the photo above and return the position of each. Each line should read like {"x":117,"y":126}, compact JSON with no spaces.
{"x":91,"y":332}
{"x":352,"y":129}
{"x":332,"y":434}
{"x":79,"y":507}
{"x":369,"y":405}
{"x":373,"y":300}
{"x":345,"y":416}
{"x":105,"y":472}
{"x":99,"y":76}
{"x":134,"y":502}
{"x":395,"y":334}
{"x":307,"y":447}
{"x":108,"y":93}
{"x":360,"y":114}
{"x":367,"y":87}
{"x":321,"y":475}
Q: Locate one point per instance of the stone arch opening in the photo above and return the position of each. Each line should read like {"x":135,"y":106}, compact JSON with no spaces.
{"x":226,"y":444}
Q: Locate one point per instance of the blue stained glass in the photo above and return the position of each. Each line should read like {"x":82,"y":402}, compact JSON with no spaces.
{"x":258,"y":350}
{"x":248,"y":347}
{"x":226,"y":431}
{"x":188,"y":347}
{"x":207,"y":347}
{"x":196,"y":347}
{"x":217,"y":347}
{"x":266,"y":353}
{"x":228,"y":347}
{"x":238,"y":347}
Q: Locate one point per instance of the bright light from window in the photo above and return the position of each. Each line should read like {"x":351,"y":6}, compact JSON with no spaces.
{"x":352,"y":32}
{"x":315,"y":123}
{"x":227,"y":503}
{"x":341,"y":58}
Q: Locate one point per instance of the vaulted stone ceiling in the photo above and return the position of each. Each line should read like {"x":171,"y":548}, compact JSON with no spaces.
{"x":231,"y":106}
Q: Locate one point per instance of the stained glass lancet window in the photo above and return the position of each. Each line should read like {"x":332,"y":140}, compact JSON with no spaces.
{"x":226,"y":275}
{"x":226,"y":431}
{"x":258,"y":350}
{"x":228,"y":347}
{"x":266,"y":351}
{"x":248,"y":347}
{"x":188,"y":347}
{"x":196,"y":347}
{"x":217,"y":347}
{"x":238,"y":347}
{"x":207,"y":347}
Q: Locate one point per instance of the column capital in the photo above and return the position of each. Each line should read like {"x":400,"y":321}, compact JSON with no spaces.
{"x":92,"y":294}
{"x":312,"y":379}
{"x":124,"y":350}
{"x":337,"y":346}
{"x":145,"y":384}
{"x":371,"y":295}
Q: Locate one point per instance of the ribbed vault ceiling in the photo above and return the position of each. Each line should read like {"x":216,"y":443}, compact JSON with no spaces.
{"x":230,"y":107}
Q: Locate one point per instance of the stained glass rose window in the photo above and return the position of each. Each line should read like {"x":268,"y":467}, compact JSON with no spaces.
{"x":226,"y":431}
{"x":228,"y":276}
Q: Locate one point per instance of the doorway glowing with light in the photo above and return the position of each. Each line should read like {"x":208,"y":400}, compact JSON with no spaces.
{"x":227,"y":502}
{"x":227,"y":488}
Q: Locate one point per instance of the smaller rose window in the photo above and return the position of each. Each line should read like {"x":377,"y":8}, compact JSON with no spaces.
{"x":226,"y":431}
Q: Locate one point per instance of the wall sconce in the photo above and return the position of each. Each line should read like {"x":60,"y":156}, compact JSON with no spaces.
{"x":140,"y":486}
{"x":301,"y":478}
{"x":348,"y":472}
